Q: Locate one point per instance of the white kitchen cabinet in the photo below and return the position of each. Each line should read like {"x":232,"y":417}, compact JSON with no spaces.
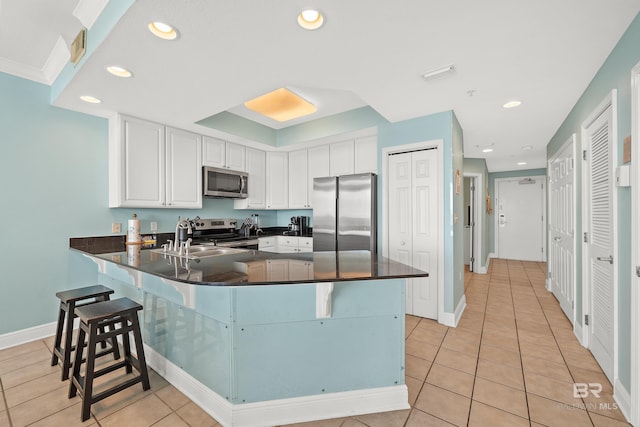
{"x":341,"y":158}
{"x":366,"y":155}
{"x":278,"y":269}
{"x":298,"y":188}
{"x":285,"y":244}
{"x":277,"y":180}
{"x":304,"y":166}
{"x":183,"y":172}
{"x":151,"y":166}
{"x":222,"y":154}
{"x":256,"y":168}
{"x":318,"y":166}
{"x":267,"y":244}
{"x":305,"y":244}
{"x":300,"y":270}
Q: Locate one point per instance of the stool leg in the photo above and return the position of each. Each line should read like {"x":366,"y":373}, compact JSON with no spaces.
{"x":137,"y":338}
{"x":68,"y":338}
{"x":58,"y":340}
{"x":87,"y":390}
{"x":126,"y":344}
{"x":75,"y":377}
{"x":102,"y":298}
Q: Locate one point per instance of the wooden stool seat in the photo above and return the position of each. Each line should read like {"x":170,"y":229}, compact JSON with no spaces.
{"x":121,"y":317}
{"x":69,"y":301}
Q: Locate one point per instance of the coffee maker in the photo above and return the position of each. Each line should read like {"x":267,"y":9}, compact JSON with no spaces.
{"x":299,"y":225}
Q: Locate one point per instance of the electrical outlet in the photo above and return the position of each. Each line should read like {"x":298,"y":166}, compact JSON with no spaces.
{"x":154,"y":226}
{"x":116,"y":227}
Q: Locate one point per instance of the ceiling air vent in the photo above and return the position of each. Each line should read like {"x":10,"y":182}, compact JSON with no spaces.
{"x":78,"y":47}
{"x":527,"y":181}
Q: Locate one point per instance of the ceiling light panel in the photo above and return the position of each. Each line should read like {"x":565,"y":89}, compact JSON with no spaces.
{"x":281,"y":105}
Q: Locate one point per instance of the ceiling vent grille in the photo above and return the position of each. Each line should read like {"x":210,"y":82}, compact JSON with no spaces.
{"x":78,"y":47}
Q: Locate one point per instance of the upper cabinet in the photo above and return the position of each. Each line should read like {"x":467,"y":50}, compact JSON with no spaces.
{"x":257,"y":170}
{"x":366,"y":155}
{"x":277,"y":180}
{"x":341,"y":158}
{"x":153,"y":166}
{"x":304,"y":166}
{"x":184,"y":169}
{"x":222,"y":154}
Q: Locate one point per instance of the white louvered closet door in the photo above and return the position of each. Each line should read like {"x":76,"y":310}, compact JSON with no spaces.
{"x":600,"y":240}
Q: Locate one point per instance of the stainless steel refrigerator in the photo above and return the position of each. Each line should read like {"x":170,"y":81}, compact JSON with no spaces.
{"x":345,"y":213}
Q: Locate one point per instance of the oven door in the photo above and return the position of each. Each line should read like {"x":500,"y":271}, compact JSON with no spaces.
{"x":224,"y":183}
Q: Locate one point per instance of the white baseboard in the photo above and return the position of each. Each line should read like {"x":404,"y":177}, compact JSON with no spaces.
{"x":452,"y":319}
{"x":24,"y":336}
{"x":484,"y":269}
{"x":623,"y":398}
{"x":280,"y":411}
{"x":547,"y":285}
{"x":577,"y":331}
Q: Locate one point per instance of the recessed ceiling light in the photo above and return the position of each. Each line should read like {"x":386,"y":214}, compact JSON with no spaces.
{"x":512,"y":104}
{"x":163,"y":30}
{"x":522,"y":163}
{"x":119,"y":71}
{"x":90,"y":99}
{"x":527,"y":148}
{"x":487,"y":150}
{"x":281,"y":105}
{"x":310,"y":19}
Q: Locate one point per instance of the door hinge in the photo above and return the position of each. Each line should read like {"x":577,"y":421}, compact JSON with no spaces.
{"x":573,"y":305}
{"x":584,"y":154}
{"x":586,"y":320}
{"x":638,"y":270}
{"x":548,"y":274}
{"x":585,"y":237}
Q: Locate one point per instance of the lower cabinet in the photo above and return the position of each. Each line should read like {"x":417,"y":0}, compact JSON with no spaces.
{"x":285,"y":244}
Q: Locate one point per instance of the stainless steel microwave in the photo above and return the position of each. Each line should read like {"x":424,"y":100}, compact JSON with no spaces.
{"x":224,"y":183}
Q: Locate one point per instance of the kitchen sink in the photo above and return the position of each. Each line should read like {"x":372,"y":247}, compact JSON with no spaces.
{"x":201,"y":251}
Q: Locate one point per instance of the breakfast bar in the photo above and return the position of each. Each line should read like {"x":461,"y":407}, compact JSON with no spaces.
{"x":258,"y":338}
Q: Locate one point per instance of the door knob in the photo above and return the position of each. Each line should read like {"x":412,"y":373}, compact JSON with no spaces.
{"x":557,"y":239}
{"x":402,"y":243}
{"x":609,"y":258}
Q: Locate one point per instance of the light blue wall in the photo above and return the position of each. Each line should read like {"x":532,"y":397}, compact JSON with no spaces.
{"x":479,"y":166}
{"x":615,"y":73}
{"x":56,"y":163}
{"x":53,"y":163}
{"x":492,"y":192}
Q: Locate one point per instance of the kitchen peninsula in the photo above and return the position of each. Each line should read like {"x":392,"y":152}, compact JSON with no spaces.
{"x":259,"y":338}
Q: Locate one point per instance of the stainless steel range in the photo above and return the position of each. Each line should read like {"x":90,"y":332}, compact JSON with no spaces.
{"x":221,"y":232}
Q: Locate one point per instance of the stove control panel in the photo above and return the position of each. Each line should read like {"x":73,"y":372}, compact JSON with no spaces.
{"x":215,"y":224}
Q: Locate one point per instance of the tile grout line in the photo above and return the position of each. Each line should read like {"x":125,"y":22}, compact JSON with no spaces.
{"x":6,"y":405}
{"x":475,"y":373}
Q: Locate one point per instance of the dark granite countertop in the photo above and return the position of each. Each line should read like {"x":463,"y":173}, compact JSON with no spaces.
{"x":248,"y":267}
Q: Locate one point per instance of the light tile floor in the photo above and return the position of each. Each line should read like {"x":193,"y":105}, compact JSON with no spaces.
{"x":512,"y":361}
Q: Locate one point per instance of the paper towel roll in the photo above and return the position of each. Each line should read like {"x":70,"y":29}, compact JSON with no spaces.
{"x":133,"y":230}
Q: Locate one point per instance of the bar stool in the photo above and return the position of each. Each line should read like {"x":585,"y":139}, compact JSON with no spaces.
{"x":121,"y":316}
{"x":69,"y":301}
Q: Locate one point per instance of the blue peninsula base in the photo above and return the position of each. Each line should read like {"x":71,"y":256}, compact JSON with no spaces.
{"x":256,"y":355}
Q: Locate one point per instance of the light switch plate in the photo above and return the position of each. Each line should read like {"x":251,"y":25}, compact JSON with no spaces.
{"x":154,"y":226}
{"x":116,"y":227}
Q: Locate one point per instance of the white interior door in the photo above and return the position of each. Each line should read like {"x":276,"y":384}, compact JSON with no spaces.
{"x":413,"y":182}
{"x":600,"y":241}
{"x":520,"y":227}
{"x":561,"y":265}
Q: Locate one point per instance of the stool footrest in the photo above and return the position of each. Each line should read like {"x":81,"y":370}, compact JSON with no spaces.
{"x":113,"y":390}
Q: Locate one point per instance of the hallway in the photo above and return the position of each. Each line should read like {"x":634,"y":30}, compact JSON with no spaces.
{"x":512,"y":361}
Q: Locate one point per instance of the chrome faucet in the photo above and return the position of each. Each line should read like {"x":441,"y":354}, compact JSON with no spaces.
{"x":182,"y":223}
